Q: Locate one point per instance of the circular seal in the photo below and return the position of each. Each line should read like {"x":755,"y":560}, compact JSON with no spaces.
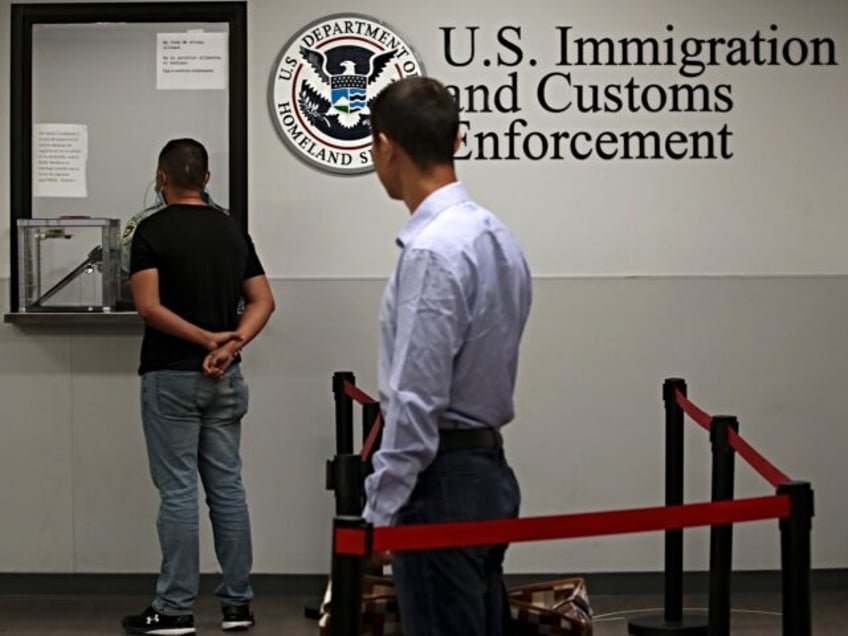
{"x":324,"y":81}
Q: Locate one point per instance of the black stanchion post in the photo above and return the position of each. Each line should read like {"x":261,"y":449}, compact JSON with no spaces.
{"x":348,"y":570}
{"x":673,"y":621}
{"x":344,"y":412}
{"x":347,"y":482}
{"x":795,"y":558}
{"x":721,"y":537}
{"x":344,"y":471}
{"x":673,"y":497}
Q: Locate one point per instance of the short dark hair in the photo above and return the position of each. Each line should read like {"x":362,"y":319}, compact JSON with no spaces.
{"x":186,"y":163}
{"x":421,"y":116}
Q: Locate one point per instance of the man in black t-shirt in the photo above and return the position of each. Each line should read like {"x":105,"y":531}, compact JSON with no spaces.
{"x":190,"y":266}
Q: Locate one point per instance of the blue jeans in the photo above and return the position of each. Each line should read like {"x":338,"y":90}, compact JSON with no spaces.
{"x":192,"y":425}
{"x":459,"y":591}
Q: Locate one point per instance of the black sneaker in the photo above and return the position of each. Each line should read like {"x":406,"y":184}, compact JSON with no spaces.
{"x":152,"y":622}
{"x":237,"y":618}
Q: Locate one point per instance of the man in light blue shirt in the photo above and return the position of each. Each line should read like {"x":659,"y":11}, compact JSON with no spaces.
{"x":450,"y":325}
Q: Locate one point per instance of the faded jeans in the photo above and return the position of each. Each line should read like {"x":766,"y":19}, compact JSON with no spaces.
{"x":192,"y":425}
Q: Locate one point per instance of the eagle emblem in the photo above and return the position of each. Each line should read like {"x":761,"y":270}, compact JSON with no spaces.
{"x":344,"y":88}
{"x":324,"y":84}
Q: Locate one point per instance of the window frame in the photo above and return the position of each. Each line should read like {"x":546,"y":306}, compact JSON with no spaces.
{"x":25,"y":16}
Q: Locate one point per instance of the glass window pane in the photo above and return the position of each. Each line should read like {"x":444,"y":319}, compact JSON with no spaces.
{"x":103,"y":77}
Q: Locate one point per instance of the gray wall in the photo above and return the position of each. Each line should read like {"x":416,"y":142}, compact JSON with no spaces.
{"x":76,"y":495}
{"x":732,"y":275}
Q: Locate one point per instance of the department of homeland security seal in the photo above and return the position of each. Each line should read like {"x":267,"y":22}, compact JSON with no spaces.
{"x":324,"y":81}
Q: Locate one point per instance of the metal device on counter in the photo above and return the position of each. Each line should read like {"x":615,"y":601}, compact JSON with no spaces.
{"x":59,"y":271}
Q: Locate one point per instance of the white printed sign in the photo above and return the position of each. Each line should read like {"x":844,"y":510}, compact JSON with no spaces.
{"x":191,"y":61}
{"x":60,"y":153}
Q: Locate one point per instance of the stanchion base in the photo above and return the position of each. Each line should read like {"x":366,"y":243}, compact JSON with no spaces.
{"x":658,"y":626}
{"x":312,"y":609}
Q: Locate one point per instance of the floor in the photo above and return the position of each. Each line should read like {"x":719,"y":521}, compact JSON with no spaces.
{"x":754,"y":615}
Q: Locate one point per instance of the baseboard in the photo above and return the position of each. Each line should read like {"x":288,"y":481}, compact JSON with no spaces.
{"x":606,"y":583}
{"x":652,"y":583}
{"x":37,"y":584}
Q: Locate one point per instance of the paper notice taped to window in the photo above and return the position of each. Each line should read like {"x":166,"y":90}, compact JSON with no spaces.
{"x":59,"y":158}
{"x":191,"y":61}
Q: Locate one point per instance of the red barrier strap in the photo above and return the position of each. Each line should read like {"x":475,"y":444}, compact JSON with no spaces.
{"x":433,"y":536}
{"x":701,"y":417}
{"x":759,"y":463}
{"x":355,"y":393}
{"x":368,"y":446}
{"x":350,"y":541}
{"x":360,"y":396}
{"x":447,"y":535}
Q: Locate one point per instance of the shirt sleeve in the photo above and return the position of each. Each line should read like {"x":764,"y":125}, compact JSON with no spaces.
{"x":129,"y":232}
{"x":431,"y":318}
{"x":126,"y":245}
{"x":254,"y":266}
{"x":142,"y":255}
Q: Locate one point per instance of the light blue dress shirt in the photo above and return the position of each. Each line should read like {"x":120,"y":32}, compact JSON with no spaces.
{"x":450,"y":323}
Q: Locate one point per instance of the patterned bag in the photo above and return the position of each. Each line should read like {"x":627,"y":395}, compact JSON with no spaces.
{"x":558,"y":608}
{"x":380,"y":614}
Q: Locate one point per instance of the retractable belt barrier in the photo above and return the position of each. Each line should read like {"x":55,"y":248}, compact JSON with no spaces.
{"x":764,"y":467}
{"x":363,"y":542}
{"x":362,"y":398}
{"x":354,"y":540}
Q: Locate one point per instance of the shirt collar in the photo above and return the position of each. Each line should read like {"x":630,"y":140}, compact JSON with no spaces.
{"x":430,"y":208}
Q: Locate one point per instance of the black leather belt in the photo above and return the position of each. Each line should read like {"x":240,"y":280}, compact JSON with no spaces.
{"x":469,"y":439}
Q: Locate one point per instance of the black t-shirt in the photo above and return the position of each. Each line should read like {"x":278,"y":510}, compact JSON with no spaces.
{"x":202,"y":258}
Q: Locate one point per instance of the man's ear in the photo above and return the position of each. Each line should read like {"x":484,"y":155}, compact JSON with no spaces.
{"x":458,"y":141}
{"x":386,"y":145}
{"x":161,"y":178}
{"x":206,"y":179}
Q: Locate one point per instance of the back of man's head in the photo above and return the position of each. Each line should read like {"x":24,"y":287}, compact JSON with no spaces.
{"x":421,"y":116}
{"x":186,"y":163}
